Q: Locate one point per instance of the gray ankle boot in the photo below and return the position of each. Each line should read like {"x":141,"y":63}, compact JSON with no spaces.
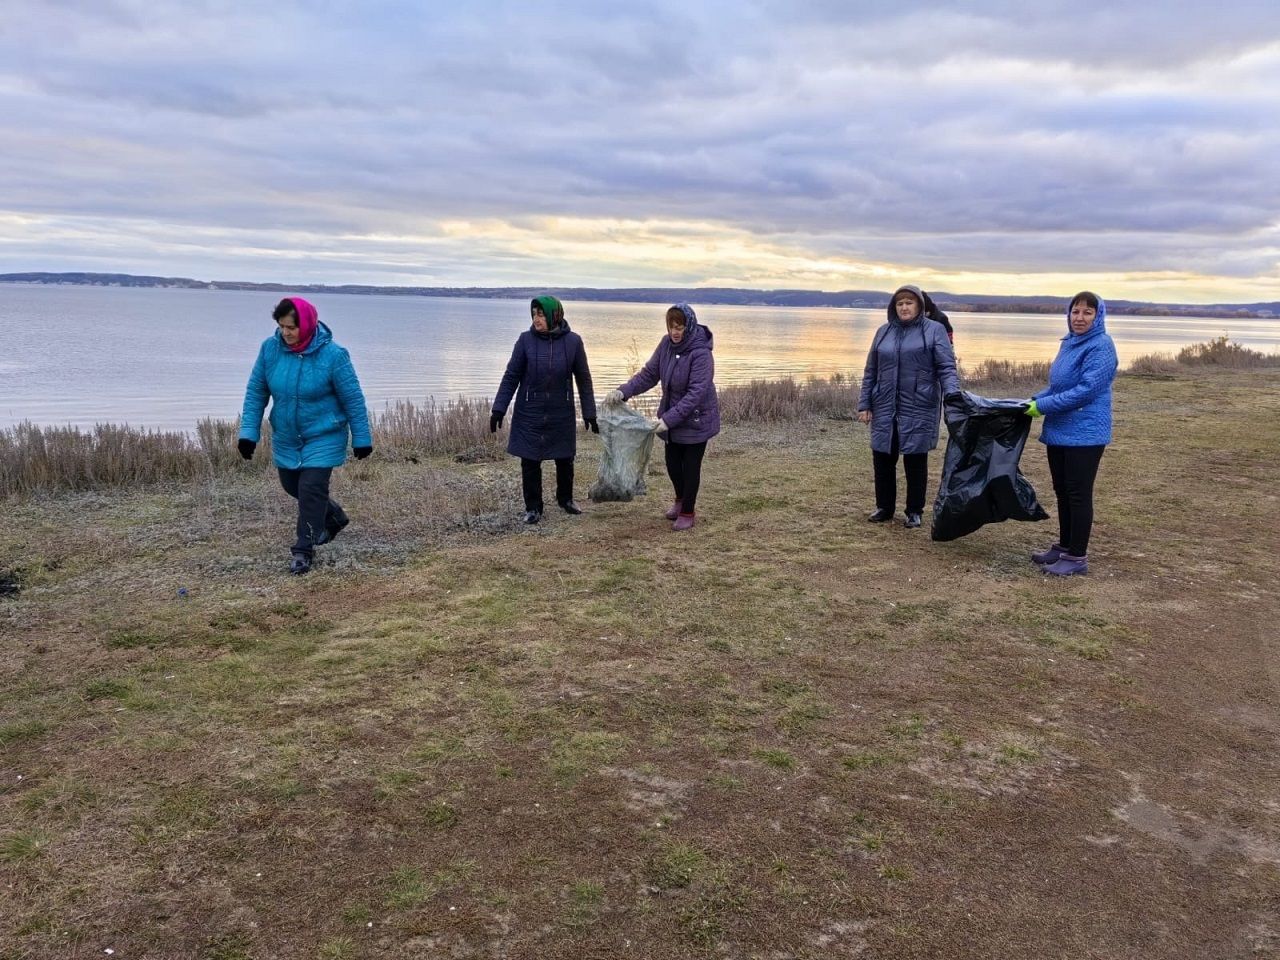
{"x":1068,"y":566}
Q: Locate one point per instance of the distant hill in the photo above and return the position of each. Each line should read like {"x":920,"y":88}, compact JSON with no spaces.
{"x":864,"y":299}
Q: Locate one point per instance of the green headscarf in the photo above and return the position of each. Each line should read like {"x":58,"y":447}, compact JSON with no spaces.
{"x":552,"y":309}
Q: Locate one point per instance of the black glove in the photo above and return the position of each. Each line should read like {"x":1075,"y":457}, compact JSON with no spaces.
{"x":361,"y":452}
{"x":955,"y":396}
{"x":246,"y":447}
{"x":590,"y":423}
{"x":495,"y":421}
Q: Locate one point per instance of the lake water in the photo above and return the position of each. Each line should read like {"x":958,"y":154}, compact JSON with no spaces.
{"x":165,"y":358}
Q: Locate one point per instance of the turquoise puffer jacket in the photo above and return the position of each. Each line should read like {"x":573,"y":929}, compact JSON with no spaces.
{"x":316,"y":401}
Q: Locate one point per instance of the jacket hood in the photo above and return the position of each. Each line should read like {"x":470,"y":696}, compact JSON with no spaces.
{"x":696,"y":336}
{"x":552,"y":309}
{"x":920,"y":297}
{"x":1099,"y":322}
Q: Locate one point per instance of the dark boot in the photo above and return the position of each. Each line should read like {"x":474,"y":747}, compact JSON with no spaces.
{"x":300,"y":564}
{"x":880,"y":515}
{"x":1048,"y":556}
{"x":1068,"y":566}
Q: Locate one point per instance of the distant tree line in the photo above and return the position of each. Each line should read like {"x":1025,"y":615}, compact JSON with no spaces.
{"x":852,"y":299}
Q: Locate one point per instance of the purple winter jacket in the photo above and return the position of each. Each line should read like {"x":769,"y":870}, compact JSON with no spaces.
{"x":687,"y":374}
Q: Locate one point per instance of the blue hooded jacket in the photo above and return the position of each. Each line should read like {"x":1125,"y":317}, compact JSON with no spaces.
{"x":1077,"y":403}
{"x":687,"y":372}
{"x":316,"y":401}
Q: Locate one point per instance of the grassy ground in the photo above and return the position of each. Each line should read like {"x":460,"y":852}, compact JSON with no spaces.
{"x":785,"y":734}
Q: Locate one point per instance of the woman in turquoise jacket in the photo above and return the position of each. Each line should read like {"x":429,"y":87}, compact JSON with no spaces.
{"x":316,"y":402}
{"x":1076,"y":407}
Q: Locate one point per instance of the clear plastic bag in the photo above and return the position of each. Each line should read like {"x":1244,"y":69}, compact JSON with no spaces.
{"x":981,"y":482}
{"x":628,"y":442}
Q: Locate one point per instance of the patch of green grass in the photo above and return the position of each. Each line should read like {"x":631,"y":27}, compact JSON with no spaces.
{"x":801,"y":718}
{"x":22,"y":847}
{"x":724,"y":781}
{"x":356,"y":914}
{"x":441,"y":815}
{"x":676,"y":865}
{"x":20,"y":730}
{"x":893,"y":873}
{"x":910,"y":729}
{"x":573,"y":757}
{"x":586,"y":897}
{"x":229,"y":946}
{"x":409,"y":888}
{"x":630,"y":574}
{"x":339,"y":948}
{"x":782,"y":688}
{"x":773,"y":757}
{"x":132,"y":639}
{"x":871,"y":841}
{"x":107,"y":688}
{"x":58,"y":798}
{"x":1015,"y":753}
{"x":865,"y":760}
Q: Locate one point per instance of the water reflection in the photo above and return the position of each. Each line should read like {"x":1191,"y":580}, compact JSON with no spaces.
{"x":165,"y":358}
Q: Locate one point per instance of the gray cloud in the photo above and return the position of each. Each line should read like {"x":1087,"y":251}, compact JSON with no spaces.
{"x":1005,"y":138}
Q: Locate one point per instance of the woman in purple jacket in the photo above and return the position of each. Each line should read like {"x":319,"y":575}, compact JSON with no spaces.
{"x":689,"y":414}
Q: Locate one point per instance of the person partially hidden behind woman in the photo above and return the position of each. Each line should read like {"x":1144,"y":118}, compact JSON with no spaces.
{"x":689,"y":412}
{"x":1076,"y":407}
{"x":546,"y":358}
{"x":910,"y":368}
{"x":316,"y":402}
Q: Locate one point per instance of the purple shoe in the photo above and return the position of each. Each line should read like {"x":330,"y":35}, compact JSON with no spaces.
{"x":1068,"y":566}
{"x":1049,"y":556}
{"x":683,"y":522}
{"x":674,"y":511}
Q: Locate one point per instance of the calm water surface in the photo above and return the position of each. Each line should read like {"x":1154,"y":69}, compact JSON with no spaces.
{"x":165,"y":358}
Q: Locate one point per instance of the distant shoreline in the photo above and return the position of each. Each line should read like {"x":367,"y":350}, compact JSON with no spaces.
{"x":734,"y":296}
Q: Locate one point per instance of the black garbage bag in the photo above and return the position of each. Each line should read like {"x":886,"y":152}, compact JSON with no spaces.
{"x":981,"y":482}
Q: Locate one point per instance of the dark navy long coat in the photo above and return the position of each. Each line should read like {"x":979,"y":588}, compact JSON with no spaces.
{"x":540,"y":375}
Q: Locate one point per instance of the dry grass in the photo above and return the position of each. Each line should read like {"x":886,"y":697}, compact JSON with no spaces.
{"x":787,"y":733}
{"x":1154,"y":365}
{"x":46,"y":460}
{"x":1222,"y":352}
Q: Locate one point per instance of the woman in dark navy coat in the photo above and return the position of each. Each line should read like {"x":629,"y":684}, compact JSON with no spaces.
{"x":546,"y":358}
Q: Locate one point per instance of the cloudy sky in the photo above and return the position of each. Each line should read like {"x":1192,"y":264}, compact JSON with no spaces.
{"x":1002,"y":146}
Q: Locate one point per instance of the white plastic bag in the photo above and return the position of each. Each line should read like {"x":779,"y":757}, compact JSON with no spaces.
{"x":628,"y":441}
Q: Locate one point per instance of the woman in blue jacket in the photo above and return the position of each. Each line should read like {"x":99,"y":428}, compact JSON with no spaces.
{"x":316,"y":401}
{"x":1076,"y":407}
{"x":910,"y":368}
{"x":546,"y":358}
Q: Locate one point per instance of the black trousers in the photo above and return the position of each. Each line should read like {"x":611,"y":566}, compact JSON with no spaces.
{"x":914,"y":465}
{"x":684,"y":467}
{"x":531,"y":481}
{"x":310,"y":487}
{"x":1074,"y":470}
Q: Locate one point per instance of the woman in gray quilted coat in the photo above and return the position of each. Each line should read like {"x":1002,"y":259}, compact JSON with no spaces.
{"x":910,"y":368}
